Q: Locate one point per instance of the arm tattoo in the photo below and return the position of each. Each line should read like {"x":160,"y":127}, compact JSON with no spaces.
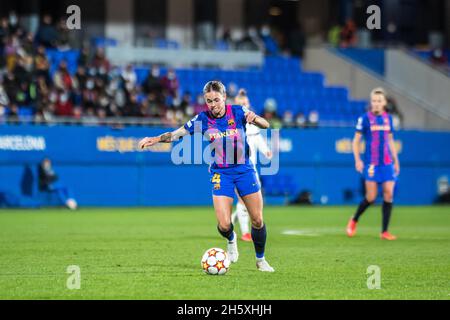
{"x":166,"y":137}
{"x":173,"y":136}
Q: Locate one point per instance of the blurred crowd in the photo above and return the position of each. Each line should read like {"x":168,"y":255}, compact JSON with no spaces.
{"x":343,"y":36}
{"x":99,"y":90}
{"x":270,"y":41}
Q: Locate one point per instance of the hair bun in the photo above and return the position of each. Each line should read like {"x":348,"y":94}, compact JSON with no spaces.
{"x":242,"y":92}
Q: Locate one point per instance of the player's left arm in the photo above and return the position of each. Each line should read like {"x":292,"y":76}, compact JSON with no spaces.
{"x":394,"y":154}
{"x":252,"y":118}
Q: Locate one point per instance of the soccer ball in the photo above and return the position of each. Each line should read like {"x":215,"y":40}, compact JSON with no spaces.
{"x":215,"y":261}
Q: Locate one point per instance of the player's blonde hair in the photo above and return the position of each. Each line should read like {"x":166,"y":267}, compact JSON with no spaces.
{"x":242,"y":98}
{"x":242,"y":93}
{"x":216,"y":86}
{"x":379,"y":91}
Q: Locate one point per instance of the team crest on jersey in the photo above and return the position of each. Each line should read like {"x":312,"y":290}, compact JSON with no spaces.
{"x":231,"y":122}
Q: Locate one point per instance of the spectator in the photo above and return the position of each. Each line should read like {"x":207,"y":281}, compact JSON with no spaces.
{"x":21,"y":74}
{"x":63,"y":106}
{"x":10,"y":84}
{"x":129,"y":77}
{"x":270,"y":105}
{"x":48,"y":182}
{"x":438,"y":56}
{"x":170,"y":119}
{"x":100,"y":63}
{"x":270,"y":113}
{"x":232,"y":92}
{"x":47,"y":35}
{"x":300,"y":120}
{"x":4,"y":99}
{"x":348,"y":34}
{"x":10,"y":51}
{"x":4,"y":34}
{"x":392,"y":108}
{"x":41,"y":64}
{"x":13,"y":116}
{"x":170,"y":83}
{"x":80,"y":77}
{"x":25,"y":94}
{"x":248,"y":41}
{"x":63,"y":41}
{"x":275,"y":122}
{"x":270,"y":45}
{"x":288,"y":119}
{"x":226,"y":38}
{"x":186,"y":101}
{"x":334,"y":35}
{"x":313,"y":119}
{"x":200,"y":104}
{"x":62,"y":78}
{"x":155,"y":108}
{"x":83,"y":58}
{"x":132,"y":108}
{"x":13,"y":22}
{"x":4,"y":31}
{"x":152,"y":84}
{"x":42,"y":88}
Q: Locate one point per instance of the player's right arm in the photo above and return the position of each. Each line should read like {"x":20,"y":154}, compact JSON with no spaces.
{"x":359,"y":164}
{"x":262,"y":146}
{"x":164,"y":138}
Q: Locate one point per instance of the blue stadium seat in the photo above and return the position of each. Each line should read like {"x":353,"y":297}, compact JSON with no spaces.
{"x":104,"y":42}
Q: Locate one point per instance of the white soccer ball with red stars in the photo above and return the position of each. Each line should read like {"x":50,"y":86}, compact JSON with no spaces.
{"x":215,"y":261}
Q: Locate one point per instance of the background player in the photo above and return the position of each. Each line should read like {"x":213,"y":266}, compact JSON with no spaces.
{"x":381,"y":164}
{"x":225,"y":125}
{"x":256,"y":143}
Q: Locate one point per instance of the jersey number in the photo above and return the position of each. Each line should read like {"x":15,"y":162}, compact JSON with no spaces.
{"x":216,"y":178}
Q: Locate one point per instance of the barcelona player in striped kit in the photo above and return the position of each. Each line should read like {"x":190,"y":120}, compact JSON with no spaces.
{"x":224,"y":126}
{"x":380,"y":164}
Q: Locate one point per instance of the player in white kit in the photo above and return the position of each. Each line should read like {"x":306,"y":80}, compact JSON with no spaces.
{"x":256,"y":143}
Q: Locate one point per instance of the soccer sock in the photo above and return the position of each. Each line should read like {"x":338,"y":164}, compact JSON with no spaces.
{"x":243,"y":218}
{"x":259,"y":240}
{"x":387,"y":210}
{"x":227,"y":234}
{"x":362,"y":207}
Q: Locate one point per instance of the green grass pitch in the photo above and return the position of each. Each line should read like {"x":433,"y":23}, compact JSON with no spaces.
{"x":154,"y":253}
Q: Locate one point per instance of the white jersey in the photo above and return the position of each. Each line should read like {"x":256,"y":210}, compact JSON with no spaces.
{"x":255,"y":142}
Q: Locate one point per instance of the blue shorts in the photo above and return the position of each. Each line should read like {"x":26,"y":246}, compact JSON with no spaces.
{"x":242,"y":178}
{"x":379,"y":174}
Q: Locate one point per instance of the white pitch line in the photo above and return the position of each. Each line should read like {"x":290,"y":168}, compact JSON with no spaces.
{"x":302,"y":233}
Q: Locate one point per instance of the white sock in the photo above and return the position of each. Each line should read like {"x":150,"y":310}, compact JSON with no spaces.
{"x":243,"y":218}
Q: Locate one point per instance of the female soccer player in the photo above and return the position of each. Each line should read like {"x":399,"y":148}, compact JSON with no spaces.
{"x":224,"y":126}
{"x":256,"y":142}
{"x":381,"y":164}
